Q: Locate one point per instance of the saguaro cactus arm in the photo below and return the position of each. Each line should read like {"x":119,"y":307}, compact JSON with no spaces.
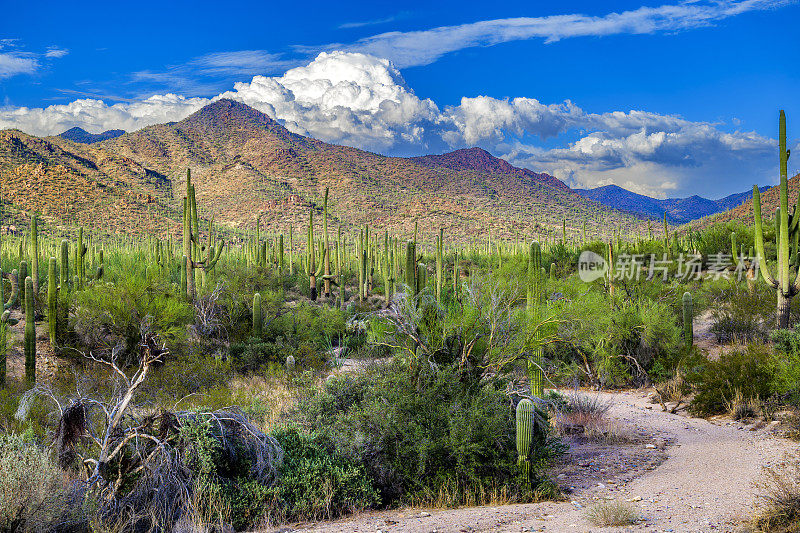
{"x":759,"y":238}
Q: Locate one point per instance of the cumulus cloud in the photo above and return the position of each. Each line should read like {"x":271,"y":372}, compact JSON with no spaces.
{"x":363,"y":101}
{"x":423,"y":47}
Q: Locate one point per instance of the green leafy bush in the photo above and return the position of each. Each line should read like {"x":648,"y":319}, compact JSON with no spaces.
{"x":315,"y":482}
{"x":749,"y":373}
{"x":418,"y":429}
{"x":33,"y":489}
{"x":107,"y":315}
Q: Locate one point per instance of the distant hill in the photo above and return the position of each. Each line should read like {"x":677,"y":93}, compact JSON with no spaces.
{"x":480,"y":160}
{"x":678,"y":210}
{"x":80,"y":135}
{"x":770,"y":200}
{"x":245,"y":165}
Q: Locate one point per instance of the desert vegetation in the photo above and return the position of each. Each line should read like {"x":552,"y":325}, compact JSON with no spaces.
{"x":209,"y":378}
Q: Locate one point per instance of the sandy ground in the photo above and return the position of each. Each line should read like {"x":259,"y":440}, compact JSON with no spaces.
{"x":707,"y":482}
{"x":706,"y":340}
{"x":46,"y":362}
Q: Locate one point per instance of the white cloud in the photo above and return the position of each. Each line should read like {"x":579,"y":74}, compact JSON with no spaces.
{"x":12,"y":64}
{"x":363,"y":101}
{"x":202,"y":74}
{"x":423,"y":47}
{"x":15,"y":61}
{"x":54,"y":52}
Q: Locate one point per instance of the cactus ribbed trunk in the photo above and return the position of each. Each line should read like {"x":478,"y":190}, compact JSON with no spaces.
{"x":688,"y":317}
{"x":787,"y":226}
{"x":524,"y":426}
{"x":535,"y":298}
{"x":52,"y":302}
{"x":30,"y":332}
{"x":35,"y":254}
{"x":257,"y":317}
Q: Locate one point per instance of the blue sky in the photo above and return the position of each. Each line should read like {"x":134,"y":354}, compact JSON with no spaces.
{"x":664,"y":98}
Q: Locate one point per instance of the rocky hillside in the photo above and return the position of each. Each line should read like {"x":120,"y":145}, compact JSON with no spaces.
{"x":770,"y":200}
{"x":245,"y":164}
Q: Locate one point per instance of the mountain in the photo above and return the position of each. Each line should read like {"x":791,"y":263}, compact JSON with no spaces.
{"x":770,"y":200}
{"x":245,"y":165}
{"x":480,"y":160}
{"x":678,"y":210}
{"x":80,"y":135}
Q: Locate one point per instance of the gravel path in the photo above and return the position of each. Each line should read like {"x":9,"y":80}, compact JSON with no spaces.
{"x":707,"y":483}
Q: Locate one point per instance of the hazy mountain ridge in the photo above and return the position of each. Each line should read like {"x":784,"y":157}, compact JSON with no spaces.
{"x":678,"y":210}
{"x":80,"y":135}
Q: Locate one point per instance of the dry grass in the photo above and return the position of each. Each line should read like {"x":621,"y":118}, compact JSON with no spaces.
{"x":742,"y":408}
{"x":608,"y":514}
{"x":271,"y":395}
{"x":780,"y":494}
{"x":585,"y":416}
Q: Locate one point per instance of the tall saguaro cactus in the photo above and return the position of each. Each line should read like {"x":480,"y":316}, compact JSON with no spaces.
{"x":35,"y":254}
{"x":534,"y":301}
{"x":30,"y":332}
{"x":191,"y":241}
{"x":688,"y":317}
{"x":787,"y":226}
{"x":524,"y":419}
{"x":52,"y":302}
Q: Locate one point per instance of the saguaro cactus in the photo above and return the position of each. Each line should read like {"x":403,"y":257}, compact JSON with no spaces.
{"x":52,"y":302}
{"x":439,"y":266}
{"x":534,"y":301}
{"x":525,"y":420}
{"x":311,"y":269}
{"x":257,"y":316}
{"x":35,"y":254}
{"x":787,"y":225}
{"x":64,"y":273}
{"x":411,"y":268}
{"x":688,"y":317}
{"x":30,"y":332}
{"x":191,"y":241}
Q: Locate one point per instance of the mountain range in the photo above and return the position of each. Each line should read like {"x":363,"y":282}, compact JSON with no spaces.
{"x":678,"y":210}
{"x":245,"y":165}
{"x":80,"y":135}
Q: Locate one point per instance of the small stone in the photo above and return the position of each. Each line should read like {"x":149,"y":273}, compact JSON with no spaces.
{"x":424,"y":514}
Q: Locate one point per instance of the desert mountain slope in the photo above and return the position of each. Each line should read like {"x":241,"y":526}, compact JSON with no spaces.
{"x":245,"y":164}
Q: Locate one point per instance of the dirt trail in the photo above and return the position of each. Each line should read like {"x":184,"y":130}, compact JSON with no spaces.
{"x":707,"y":483}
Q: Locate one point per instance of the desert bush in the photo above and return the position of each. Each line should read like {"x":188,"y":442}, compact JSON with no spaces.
{"x":780,"y":499}
{"x":418,"y":428}
{"x":110,"y":315}
{"x":315,"y":482}
{"x":612,"y":345}
{"x":610,"y":514}
{"x":739,"y":314}
{"x":34,"y":492}
{"x":749,"y":372}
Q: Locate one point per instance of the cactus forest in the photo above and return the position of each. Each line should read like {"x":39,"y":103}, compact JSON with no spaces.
{"x":258,"y":377}
{"x":428,"y":277}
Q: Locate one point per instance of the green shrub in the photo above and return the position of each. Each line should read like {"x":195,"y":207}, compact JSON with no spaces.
{"x":33,"y":489}
{"x":417,"y":430}
{"x":749,"y":373}
{"x":108,"y":315}
{"x":315,"y":482}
